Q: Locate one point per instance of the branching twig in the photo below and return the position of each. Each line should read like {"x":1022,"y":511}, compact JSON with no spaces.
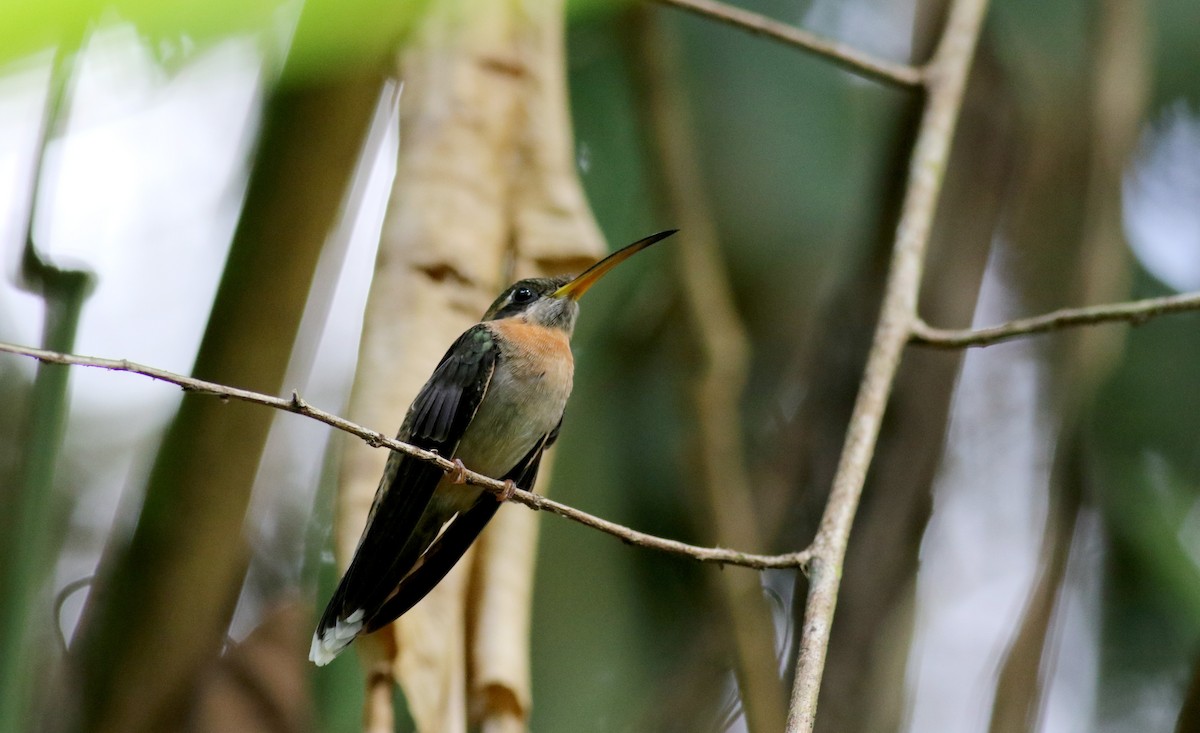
{"x":843,"y":55}
{"x":295,"y":404}
{"x":946,"y":80}
{"x":1134,"y":312}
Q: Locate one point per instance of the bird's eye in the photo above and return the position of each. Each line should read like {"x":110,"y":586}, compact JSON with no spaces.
{"x":523,"y":295}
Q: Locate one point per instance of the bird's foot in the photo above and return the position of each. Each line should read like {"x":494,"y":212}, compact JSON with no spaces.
{"x":460,"y":472}
{"x":507,"y":492}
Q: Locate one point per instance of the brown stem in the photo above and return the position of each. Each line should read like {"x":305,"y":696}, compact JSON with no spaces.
{"x":719,"y":461}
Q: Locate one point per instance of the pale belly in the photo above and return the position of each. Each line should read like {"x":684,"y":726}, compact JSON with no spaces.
{"x":519,"y":409}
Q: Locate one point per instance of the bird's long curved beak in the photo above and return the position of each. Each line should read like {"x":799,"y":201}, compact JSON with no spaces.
{"x":577,"y":287}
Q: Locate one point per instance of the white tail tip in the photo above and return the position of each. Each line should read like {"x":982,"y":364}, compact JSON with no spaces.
{"x":328,"y":643}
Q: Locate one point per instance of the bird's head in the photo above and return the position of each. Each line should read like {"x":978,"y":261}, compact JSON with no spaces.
{"x":554,"y":301}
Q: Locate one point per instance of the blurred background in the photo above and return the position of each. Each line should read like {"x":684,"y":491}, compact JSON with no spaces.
{"x":1027,"y":554}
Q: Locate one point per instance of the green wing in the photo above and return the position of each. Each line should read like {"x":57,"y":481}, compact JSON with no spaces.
{"x":436,"y":420}
{"x":443,"y":554}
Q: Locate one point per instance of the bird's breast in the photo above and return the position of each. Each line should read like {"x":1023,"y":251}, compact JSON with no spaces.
{"x":524,"y":400}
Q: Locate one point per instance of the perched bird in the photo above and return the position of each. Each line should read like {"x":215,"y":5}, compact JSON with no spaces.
{"x":494,"y":404}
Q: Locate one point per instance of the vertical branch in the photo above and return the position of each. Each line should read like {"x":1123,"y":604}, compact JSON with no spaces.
{"x":1020,"y":684}
{"x":718,"y":386}
{"x":485,"y":188}
{"x":160,"y":612}
{"x":441,"y":252}
{"x":946,"y":79}
{"x":1118,"y":74}
{"x":554,"y":232}
{"x":876,"y":601}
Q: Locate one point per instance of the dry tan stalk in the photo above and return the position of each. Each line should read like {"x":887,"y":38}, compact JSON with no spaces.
{"x":485,"y":188}
{"x":555,"y":233}
{"x":500,"y":616}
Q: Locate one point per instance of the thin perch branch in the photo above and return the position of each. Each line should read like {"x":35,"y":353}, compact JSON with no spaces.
{"x":297,"y":405}
{"x":946,"y":79}
{"x":843,"y":55}
{"x":1133,"y":312}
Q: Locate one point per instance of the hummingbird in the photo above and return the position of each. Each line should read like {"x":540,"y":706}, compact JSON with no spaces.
{"x":494,"y":403}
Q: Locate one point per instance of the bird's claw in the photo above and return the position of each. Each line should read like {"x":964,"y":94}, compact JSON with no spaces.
{"x":460,"y":472}
{"x":507,"y":492}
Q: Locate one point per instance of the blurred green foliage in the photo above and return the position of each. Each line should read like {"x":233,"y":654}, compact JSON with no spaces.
{"x":342,"y":34}
{"x":1145,"y":465}
{"x":35,"y":516}
{"x":32,"y":26}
